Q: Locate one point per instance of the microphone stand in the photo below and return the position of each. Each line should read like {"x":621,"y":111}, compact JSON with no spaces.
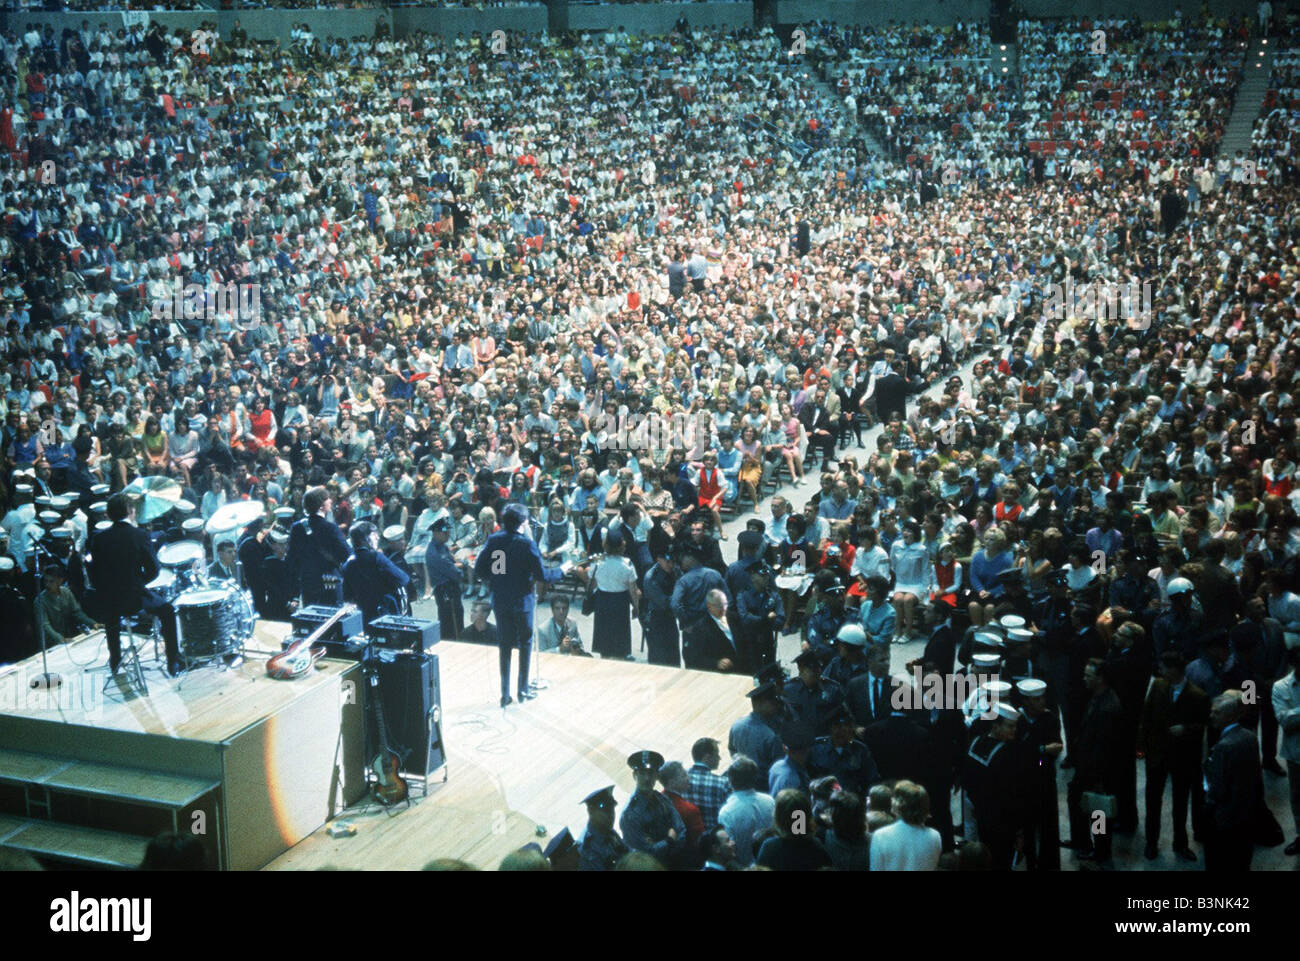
{"x":46,"y":681}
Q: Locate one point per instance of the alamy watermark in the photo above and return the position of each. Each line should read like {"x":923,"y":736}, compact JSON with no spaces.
{"x":1130,"y":301}
{"x":651,"y":431}
{"x":241,"y":304}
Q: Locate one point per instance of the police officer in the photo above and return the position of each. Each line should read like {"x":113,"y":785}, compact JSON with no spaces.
{"x":761,"y":612}
{"x":318,"y":551}
{"x":849,"y":660}
{"x":252,"y":551}
{"x":650,"y":823}
{"x":843,"y":757}
{"x":445,"y":580}
{"x":692,"y":589}
{"x":563,"y":852}
{"x":600,"y":846}
{"x":371,"y":580}
{"x":829,"y":616}
{"x":998,"y":786}
{"x":814,"y":697}
{"x":663,"y":642}
{"x":279,"y":593}
{"x":511,"y":565}
{"x":755,"y":734}
{"x":1040,"y":730}
{"x":394,"y":540}
{"x":791,"y":771}
{"x":750,"y":544}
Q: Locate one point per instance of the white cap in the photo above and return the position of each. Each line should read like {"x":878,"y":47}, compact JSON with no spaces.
{"x":1005,"y":711}
{"x":6,"y":563}
{"x":1031,"y":687}
{"x":1010,"y":621}
{"x":1179,"y":585}
{"x":986,"y":660}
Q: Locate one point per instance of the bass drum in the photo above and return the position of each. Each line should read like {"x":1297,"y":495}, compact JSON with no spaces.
{"x":212,"y":623}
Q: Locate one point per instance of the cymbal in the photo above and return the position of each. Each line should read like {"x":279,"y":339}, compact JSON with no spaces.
{"x":153,"y":496}
{"x":233,"y":516}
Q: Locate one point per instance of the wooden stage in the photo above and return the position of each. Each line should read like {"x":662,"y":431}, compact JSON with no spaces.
{"x":511,"y":770}
{"x":249,"y":764}
{"x":258,"y":767}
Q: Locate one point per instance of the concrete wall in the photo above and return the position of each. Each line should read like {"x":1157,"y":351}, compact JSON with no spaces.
{"x":950,"y":11}
{"x":658,"y":18}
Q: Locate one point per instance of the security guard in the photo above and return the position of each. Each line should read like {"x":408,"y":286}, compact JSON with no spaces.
{"x":843,"y":757}
{"x":755,"y":734}
{"x":692,"y":588}
{"x":791,"y":771}
{"x":445,"y":580}
{"x":663,"y":642}
{"x":600,"y":847}
{"x":252,"y":551}
{"x":750,"y":544}
{"x":761,"y":612}
{"x":814,"y":697}
{"x":371,"y":580}
{"x":1040,"y":731}
{"x":279,"y":591}
{"x":998,"y":786}
{"x":394,"y":539}
{"x":650,"y":823}
{"x":825,"y":622}
{"x":563,"y":852}
{"x":850,"y":660}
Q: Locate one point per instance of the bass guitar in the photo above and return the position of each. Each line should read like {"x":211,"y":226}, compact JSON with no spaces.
{"x":301,"y":656}
{"x":387,"y":785}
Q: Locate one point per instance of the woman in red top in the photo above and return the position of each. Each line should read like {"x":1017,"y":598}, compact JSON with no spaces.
{"x":711,"y":487}
{"x":949,"y":577}
{"x":261,"y":424}
{"x":1008,"y":509}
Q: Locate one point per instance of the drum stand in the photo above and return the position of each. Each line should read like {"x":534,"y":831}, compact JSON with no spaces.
{"x":129,"y":666}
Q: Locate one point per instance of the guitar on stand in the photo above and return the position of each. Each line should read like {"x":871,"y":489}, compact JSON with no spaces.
{"x":387,"y":784}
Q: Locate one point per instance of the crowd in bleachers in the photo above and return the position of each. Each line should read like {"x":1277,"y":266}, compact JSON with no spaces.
{"x":465,"y":257}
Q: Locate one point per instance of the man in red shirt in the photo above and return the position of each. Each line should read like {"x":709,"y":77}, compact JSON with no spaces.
{"x":676,"y":781}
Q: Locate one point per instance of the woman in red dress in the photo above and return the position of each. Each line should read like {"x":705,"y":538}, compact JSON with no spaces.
{"x":261,"y":424}
{"x":711,"y":487}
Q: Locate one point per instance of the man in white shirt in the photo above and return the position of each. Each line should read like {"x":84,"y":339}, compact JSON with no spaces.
{"x":907,"y":844}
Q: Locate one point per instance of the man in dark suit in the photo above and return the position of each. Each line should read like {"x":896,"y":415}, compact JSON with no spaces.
{"x":1130,"y":668}
{"x":949,"y":741}
{"x":715,"y":642}
{"x":1170,"y":736}
{"x":123,"y":562}
{"x":868,"y":695}
{"x":890,"y":394}
{"x":223,"y":568}
{"x":1234,"y":788}
{"x":1096,"y":762}
{"x":900,"y":746}
{"x":276,"y":594}
{"x":1259,"y":649}
{"x":317,"y":549}
{"x":370,"y":580}
{"x":817,"y":421}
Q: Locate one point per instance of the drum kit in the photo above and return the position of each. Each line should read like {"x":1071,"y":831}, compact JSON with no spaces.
{"x":214,"y":616}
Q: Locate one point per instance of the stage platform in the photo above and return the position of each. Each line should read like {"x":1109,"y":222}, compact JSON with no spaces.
{"x":249,"y":764}
{"x":512,"y":770}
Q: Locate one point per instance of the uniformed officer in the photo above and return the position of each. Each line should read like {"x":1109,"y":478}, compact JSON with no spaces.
{"x":692,"y":589}
{"x":279,"y":592}
{"x":371,"y":580}
{"x":775,"y":673}
{"x":813,"y":697}
{"x":755,"y":734}
{"x":825,"y":622}
{"x":980,"y":704}
{"x":791,"y":771}
{"x":650,"y":823}
{"x":997,"y":784}
{"x":394,"y":542}
{"x":445,"y":578}
{"x":761,"y":612}
{"x":849,"y":660}
{"x":750,"y":544}
{"x":1018,"y":662}
{"x":563,"y":852}
{"x":600,"y":847}
{"x":843,"y":757}
{"x":1040,"y":730}
{"x":662,"y":639}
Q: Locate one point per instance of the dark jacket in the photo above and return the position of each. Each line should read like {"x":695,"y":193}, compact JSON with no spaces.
{"x":316,"y":548}
{"x":1161,"y":712}
{"x":123,"y":562}
{"x":1235,"y":783}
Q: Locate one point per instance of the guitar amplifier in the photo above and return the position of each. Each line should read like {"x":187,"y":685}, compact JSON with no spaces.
{"x":352,"y":649}
{"x":307,"y":619}
{"x":412,"y":692}
{"x":409,"y":633}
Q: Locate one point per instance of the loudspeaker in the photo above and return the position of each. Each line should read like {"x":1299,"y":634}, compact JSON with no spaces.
{"x":412,"y":692}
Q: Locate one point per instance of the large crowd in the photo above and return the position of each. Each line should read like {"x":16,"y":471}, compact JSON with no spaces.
{"x":473,"y":267}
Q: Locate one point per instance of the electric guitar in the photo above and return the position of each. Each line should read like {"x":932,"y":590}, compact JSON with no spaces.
{"x":388,"y":786}
{"x":300,"y":657}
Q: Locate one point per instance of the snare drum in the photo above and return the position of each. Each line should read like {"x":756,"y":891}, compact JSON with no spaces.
{"x":187,"y":560}
{"x":212,"y":622}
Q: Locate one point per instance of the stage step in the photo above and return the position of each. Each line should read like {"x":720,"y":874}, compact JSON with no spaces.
{"x":72,"y":845}
{"x":130,"y":785}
